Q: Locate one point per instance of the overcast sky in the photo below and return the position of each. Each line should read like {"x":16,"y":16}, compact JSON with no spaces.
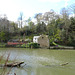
{"x":12,"y":8}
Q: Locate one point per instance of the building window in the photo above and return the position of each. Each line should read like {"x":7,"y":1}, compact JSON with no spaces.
{"x":42,"y":37}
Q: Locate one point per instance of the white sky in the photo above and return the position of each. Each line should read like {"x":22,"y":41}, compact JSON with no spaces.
{"x":12,"y":8}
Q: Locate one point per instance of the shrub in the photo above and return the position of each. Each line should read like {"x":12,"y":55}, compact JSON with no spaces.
{"x":23,"y":45}
{"x":17,"y":46}
{"x":33,"y":45}
{"x":2,"y":45}
{"x":27,"y":45}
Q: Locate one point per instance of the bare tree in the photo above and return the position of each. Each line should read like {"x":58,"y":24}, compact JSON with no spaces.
{"x":39,"y":17}
{"x":20,"y":19}
{"x":49,"y":16}
{"x":4,"y":23}
{"x":71,"y":9}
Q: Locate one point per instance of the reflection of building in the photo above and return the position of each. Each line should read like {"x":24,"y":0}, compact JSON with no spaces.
{"x":42,"y":40}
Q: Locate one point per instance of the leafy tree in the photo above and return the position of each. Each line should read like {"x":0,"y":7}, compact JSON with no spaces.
{"x":71,"y":30}
{"x":4,"y":24}
{"x":66,"y":22}
{"x":41,"y":28}
{"x":72,"y":25}
{"x":26,"y":31}
{"x":2,"y":36}
{"x":32,"y":27}
{"x":53,"y":32}
{"x":59,"y":23}
{"x":14,"y":28}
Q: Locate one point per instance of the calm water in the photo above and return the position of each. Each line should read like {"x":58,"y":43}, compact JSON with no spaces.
{"x":41,"y":61}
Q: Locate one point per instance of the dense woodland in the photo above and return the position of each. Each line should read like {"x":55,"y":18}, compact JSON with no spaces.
{"x":60,"y":28}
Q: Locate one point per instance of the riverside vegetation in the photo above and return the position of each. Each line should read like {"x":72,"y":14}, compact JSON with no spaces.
{"x":60,"y":28}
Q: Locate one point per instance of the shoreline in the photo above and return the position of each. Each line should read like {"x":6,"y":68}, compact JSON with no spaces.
{"x":4,"y":45}
{"x":52,"y":47}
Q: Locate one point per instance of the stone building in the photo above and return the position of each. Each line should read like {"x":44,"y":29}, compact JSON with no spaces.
{"x":42,"y":40}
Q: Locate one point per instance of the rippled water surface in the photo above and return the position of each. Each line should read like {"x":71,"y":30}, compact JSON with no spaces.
{"x":41,"y":61}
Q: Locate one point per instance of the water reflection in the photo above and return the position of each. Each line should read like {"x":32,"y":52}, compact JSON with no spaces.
{"x":41,"y":62}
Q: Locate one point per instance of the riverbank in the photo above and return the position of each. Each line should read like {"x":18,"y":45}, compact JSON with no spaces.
{"x":4,"y":45}
{"x":65,"y":47}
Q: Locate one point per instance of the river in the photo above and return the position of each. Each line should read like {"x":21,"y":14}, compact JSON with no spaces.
{"x":40,"y":61}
